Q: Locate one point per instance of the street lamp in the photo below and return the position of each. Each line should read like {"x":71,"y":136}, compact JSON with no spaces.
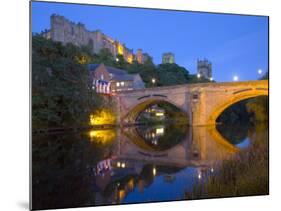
{"x":117,"y":59}
{"x":235,"y":78}
{"x":198,"y":75}
{"x":211,"y":79}
{"x":260,"y":71}
{"x":153,"y":81}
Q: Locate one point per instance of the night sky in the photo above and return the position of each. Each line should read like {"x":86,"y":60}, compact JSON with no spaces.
{"x":235,"y":44}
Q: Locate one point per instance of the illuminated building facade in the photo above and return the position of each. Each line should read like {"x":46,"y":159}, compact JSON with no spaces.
{"x":65,"y":31}
{"x":119,"y":79}
{"x":154,"y":112}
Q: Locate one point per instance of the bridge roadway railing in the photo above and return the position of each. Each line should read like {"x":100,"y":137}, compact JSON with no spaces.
{"x":200,"y":85}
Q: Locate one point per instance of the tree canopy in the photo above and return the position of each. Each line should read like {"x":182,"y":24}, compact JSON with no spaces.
{"x":61,"y":93}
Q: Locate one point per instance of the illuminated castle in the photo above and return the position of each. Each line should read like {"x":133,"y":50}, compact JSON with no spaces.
{"x":65,"y":31}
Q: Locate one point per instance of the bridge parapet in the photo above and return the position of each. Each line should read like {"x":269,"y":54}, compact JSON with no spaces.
{"x":201,"y":102}
{"x":212,"y":85}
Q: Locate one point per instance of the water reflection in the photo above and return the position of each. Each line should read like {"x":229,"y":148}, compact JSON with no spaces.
{"x":158,"y":137}
{"x":135,"y":164}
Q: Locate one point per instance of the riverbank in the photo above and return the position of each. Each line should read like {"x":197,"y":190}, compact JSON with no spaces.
{"x":101,"y":127}
{"x":71,"y":129}
{"x":245,"y":174}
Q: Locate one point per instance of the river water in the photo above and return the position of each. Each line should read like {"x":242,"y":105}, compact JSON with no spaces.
{"x":130,"y":165}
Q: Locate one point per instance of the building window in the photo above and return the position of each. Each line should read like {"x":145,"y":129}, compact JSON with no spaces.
{"x":101,"y":77}
{"x":117,"y":84}
{"x":122,"y":83}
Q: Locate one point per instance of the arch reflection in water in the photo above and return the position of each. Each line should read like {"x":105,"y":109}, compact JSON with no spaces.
{"x":158,"y":137}
{"x":140,"y":171}
{"x":121,"y":166}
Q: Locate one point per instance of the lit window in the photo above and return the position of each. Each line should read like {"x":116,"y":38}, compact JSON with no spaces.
{"x":160,"y":130}
{"x":159,"y":114}
{"x":122,"y":83}
{"x":117,"y":84}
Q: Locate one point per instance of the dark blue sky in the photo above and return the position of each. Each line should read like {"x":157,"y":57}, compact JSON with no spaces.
{"x":234,"y":44}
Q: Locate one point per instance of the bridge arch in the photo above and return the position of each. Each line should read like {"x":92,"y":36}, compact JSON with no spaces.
{"x":133,"y":112}
{"x":202,"y":103}
{"x":237,"y":96}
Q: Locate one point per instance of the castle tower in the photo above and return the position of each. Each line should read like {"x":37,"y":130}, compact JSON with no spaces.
{"x":139,"y":56}
{"x":204,"y":68}
{"x":168,"y":58}
{"x":57,"y":28}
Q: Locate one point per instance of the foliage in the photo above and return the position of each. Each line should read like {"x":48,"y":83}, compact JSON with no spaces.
{"x":235,"y":114}
{"x":102,"y":116}
{"x":251,"y":110}
{"x":171,"y":74}
{"x":104,"y":56}
{"x":259,"y":107}
{"x":245,"y":174}
{"x":164,"y":74}
{"x":61,"y":94}
{"x":265,"y":76}
{"x":62,"y":167}
{"x":172,"y":114}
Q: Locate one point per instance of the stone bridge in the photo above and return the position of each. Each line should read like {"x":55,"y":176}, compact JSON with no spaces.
{"x":202,"y":102}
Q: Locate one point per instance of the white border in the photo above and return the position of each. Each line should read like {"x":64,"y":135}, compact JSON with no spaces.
{"x":14,"y":149}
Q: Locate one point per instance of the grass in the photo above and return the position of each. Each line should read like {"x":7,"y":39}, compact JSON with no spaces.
{"x":247,"y":173}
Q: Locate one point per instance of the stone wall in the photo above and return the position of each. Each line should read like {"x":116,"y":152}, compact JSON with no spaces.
{"x":65,"y":31}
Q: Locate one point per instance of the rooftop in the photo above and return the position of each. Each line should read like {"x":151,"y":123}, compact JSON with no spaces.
{"x":118,"y":74}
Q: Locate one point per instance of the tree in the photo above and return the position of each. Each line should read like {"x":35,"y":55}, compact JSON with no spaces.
{"x":104,"y":56}
{"x":172,"y":74}
{"x":61,"y":93}
{"x":121,"y":63}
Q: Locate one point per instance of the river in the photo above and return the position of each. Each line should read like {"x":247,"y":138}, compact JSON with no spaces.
{"x":133,"y":164}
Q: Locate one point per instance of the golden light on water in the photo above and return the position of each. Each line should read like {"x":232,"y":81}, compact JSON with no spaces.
{"x":121,"y":194}
{"x":154,"y":171}
{"x":131,"y":184}
{"x":102,"y":136}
